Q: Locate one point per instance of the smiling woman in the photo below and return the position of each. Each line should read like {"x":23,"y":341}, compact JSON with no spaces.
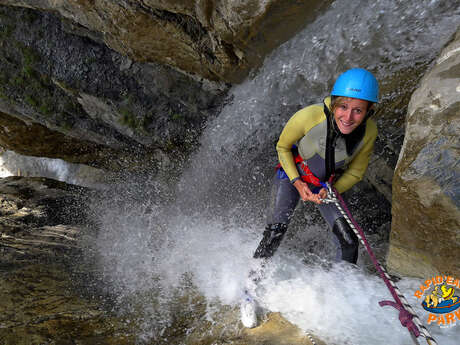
{"x":354,"y":93}
{"x":349,"y":113}
{"x":317,"y":141}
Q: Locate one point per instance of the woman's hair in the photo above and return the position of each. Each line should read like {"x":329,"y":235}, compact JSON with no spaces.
{"x":337,"y":100}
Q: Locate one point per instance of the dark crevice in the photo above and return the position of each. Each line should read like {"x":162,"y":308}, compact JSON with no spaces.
{"x":189,"y":25}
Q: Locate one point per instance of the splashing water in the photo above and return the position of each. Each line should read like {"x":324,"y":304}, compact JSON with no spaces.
{"x":151,"y":246}
{"x":13,"y":164}
{"x":340,"y":305}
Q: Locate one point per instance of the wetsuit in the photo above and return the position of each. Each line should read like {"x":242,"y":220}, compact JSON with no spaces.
{"x":324,"y":150}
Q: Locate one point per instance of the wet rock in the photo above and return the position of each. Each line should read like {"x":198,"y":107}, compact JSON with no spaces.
{"x":396,"y":91}
{"x":196,"y":321}
{"x":45,"y":297}
{"x":426,"y":197}
{"x":32,"y":139}
{"x":96,"y":103}
{"x":41,"y":304}
{"x":217,"y":40}
{"x":278,"y":331}
{"x":40,"y":219}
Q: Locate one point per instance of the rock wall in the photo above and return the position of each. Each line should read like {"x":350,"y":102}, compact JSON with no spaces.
{"x":397,"y":90}
{"x":55,"y":83}
{"x":33,"y":139}
{"x":426,"y":194}
{"x":108,"y":77}
{"x":217,"y":40}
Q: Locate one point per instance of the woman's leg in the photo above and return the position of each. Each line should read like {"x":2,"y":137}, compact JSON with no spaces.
{"x":283,"y":200}
{"x":344,"y":238}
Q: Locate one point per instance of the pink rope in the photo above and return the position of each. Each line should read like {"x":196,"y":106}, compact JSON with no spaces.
{"x":405,"y":316}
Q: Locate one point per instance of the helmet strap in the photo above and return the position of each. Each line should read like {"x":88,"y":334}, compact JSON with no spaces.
{"x":331,"y":138}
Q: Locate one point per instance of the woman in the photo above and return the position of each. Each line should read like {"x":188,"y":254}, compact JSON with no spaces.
{"x":315,"y":143}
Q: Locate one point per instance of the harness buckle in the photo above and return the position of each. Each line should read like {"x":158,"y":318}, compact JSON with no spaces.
{"x":331,"y":198}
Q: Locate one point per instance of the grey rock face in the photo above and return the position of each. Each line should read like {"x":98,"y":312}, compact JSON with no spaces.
{"x":217,"y":40}
{"x":84,"y":90}
{"x":426,"y":185}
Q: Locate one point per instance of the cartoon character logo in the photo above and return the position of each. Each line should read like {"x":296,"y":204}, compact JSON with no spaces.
{"x":442,"y":303}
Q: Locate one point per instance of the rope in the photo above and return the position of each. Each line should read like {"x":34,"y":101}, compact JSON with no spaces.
{"x":407,"y":315}
{"x":310,"y":338}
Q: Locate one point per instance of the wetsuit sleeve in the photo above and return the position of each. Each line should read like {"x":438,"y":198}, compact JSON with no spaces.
{"x":358,"y":166}
{"x":297,"y":126}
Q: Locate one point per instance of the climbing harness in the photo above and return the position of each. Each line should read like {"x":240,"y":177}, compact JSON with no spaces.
{"x":307,"y":176}
{"x":407,"y":315}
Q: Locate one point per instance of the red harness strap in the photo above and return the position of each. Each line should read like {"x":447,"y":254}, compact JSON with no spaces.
{"x":308,"y":177}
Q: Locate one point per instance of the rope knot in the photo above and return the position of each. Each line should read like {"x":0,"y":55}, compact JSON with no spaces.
{"x":405,"y":317}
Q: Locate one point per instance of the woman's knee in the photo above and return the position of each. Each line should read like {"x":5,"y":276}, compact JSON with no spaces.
{"x":347,"y":240}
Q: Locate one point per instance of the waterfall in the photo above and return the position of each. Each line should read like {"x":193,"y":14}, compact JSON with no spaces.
{"x":208,"y":235}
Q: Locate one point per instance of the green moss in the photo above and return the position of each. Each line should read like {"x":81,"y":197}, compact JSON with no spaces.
{"x":170,"y":146}
{"x":38,"y":87}
{"x":128,"y":119}
{"x":21,"y":80}
{"x":30,"y":100}
{"x":18,"y":81}
{"x":70,"y":106}
{"x":3,"y":94}
{"x":137,"y":122}
{"x":46,"y":108}
{"x":28,"y":71}
{"x":177,"y":117}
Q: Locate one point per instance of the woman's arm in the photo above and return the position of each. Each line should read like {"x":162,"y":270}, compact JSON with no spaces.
{"x":297,"y":126}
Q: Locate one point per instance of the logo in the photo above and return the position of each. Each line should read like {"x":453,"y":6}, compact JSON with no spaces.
{"x":439,"y":299}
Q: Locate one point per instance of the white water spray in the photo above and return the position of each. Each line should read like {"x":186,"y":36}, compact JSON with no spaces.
{"x":14,"y":164}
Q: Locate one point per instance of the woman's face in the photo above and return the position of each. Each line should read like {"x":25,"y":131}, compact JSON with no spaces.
{"x":349,"y":114}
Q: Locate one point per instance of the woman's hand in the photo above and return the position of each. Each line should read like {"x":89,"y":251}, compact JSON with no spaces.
{"x":323,"y":193}
{"x":306,"y":194}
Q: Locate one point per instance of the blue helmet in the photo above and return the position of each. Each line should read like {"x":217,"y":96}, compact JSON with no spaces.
{"x":357,"y":83}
